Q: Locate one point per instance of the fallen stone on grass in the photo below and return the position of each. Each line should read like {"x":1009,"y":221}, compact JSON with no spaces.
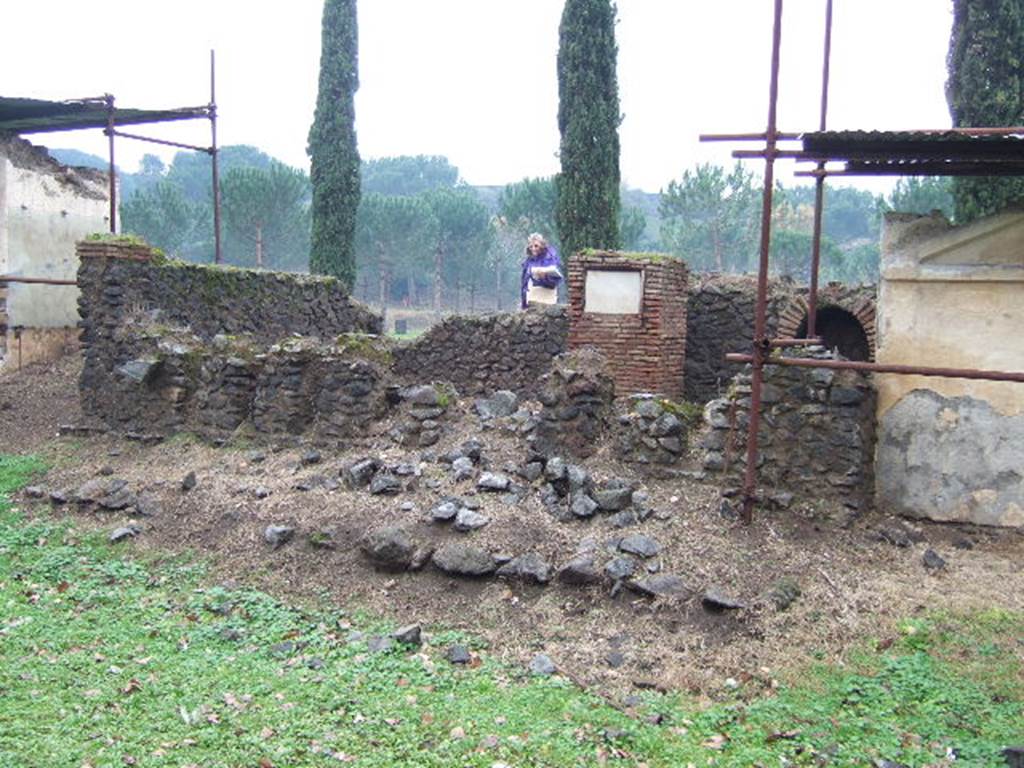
{"x":661,"y":585}
{"x":542,"y":665}
{"x":462,"y":468}
{"x":469,"y":520}
{"x":444,"y":511}
{"x":359,"y":473}
{"x":620,"y":568}
{"x":784,"y":593}
{"x":310,"y":457}
{"x":410,"y":634}
{"x":502,"y":403}
{"x":579,"y":571}
{"x":379,"y":644}
{"x":716,"y":600}
{"x":613,"y":499}
{"x":385,"y":483}
{"x":34,"y":492}
{"x":530,"y":567}
{"x":933,"y":561}
{"x":493,"y":482}
{"x":582,"y":505}
{"x":124,"y":532}
{"x":389,"y":548}
{"x":461,"y":559}
{"x":458,"y":654}
{"x":278,"y":535}
{"x":640,"y":545}
{"x":59,"y":497}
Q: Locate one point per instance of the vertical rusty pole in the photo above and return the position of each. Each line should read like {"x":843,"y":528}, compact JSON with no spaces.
{"x":760,"y":345}
{"x":819,"y":184}
{"x":216,"y":171}
{"x":109,"y":99}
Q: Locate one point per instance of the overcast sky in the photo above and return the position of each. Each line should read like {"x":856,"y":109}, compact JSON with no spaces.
{"x":475,"y":80}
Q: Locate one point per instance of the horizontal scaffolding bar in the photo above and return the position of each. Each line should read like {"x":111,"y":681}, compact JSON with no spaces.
{"x":906,"y":370}
{"x":784,"y":342}
{"x":36,"y":280}
{"x":165,"y":142}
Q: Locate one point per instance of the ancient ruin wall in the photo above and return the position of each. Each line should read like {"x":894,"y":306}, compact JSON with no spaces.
{"x":646,"y":347}
{"x":720,"y":319}
{"x":162,"y":339}
{"x":485,"y":353}
{"x":817,"y":435}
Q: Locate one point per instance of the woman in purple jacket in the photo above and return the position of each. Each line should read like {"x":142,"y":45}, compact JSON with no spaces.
{"x":541,"y":275}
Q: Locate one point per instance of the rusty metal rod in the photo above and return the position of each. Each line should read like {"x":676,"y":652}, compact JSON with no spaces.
{"x":819,"y":184}
{"x":213,"y":155}
{"x":761,"y":308}
{"x":785,"y":342}
{"x":903,"y":370}
{"x":109,"y":101}
{"x":35,"y":280}
{"x":165,"y":142}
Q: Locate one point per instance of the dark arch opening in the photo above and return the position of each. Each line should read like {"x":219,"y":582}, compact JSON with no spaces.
{"x":840,"y":330}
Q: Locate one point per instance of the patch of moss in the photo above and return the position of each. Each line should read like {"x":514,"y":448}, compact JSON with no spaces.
{"x":366,"y":345}
{"x":687,"y":412}
{"x":445,"y":394}
{"x":649,"y":256}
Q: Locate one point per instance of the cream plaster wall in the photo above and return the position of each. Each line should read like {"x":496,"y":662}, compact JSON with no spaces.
{"x":45,"y":208}
{"x":952,"y":449}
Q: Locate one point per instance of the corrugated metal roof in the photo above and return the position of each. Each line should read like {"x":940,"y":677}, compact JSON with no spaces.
{"x":22,"y":115}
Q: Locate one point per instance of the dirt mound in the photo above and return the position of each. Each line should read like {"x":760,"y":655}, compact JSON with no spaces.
{"x":739,"y":602}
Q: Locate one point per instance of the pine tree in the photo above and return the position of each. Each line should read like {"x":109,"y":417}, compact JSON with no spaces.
{"x":588,"y":120}
{"x":986,"y":88}
{"x":334,"y":156}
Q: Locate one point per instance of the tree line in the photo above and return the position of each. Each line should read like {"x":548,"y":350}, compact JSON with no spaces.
{"x":425,"y":238}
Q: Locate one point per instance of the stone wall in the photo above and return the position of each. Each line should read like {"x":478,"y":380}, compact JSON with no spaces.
{"x":485,"y":353}
{"x":720,"y":319}
{"x":646,"y":348}
{"x":817,"y":435}
{"x":169,"y":346}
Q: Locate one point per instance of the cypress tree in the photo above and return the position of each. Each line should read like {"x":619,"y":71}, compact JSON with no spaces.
{"x":986,"y":88}
{"x":334,"y":156}
{"x":587,"y":210}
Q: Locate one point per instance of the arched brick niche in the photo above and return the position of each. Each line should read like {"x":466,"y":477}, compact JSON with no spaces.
{"x":845,"y":321}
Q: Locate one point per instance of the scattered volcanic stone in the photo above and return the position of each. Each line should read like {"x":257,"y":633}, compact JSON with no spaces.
{"x":582,"y":505}
{"x":458,"y":654}
{"x":640,"y":545}
{"x":620,"y":568}
{"x":542,"y":665}
{"x":360,"y":473}
{"x":580,"y":570}
{"x":662,"y":585}
{"x":464,"y":560}
{"x":385,"y":483}
{"x":310,"y":457}
{"x":613,"y":499}
{"x":716,"y":599}
{"x":188,"y":482}
{"x":125,"y":532}
{"x":933,"y":560}
{"x":444,"y":511}
{"x":529,"y":567}
{"x":462,"y":468}
{"x":410,"y":634}
{"x":468,"y":520}
{"x":493,"y":481}
{"x":390,"y":547}
{"x":278,"y":535}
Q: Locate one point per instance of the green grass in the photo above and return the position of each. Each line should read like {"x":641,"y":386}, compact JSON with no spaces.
{"x":106,"y":659}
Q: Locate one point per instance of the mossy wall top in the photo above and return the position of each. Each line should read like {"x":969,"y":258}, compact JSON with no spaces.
{"x":120,"y":280}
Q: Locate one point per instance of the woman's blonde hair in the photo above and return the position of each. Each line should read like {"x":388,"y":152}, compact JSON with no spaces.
{"x":537,"y":237}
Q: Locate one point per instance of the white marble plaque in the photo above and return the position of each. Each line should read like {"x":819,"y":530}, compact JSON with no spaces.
{"x":613,"y":291}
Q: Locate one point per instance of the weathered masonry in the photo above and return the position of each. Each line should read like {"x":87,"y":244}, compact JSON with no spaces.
{"x":952,"y":449}
{"x":45,"y":208}
{"x":632,"y":307}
